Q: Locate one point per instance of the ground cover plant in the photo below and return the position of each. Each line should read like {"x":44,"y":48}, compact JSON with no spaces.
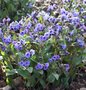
{"x":15,"y":9}
{"x":45,"y":48}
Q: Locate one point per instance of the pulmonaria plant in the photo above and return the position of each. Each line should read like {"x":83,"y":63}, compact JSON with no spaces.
{"x":45,"y":47}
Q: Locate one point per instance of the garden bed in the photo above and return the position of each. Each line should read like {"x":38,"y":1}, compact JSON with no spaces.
{"x":46,"y":49}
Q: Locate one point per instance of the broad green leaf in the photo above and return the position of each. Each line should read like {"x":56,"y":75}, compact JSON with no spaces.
{"x":51,"y":78}
{"x":30,"y":69}
{"x":42,"y":82}
{"x":2,"y":53}
{"x":41,"y":72}
{"x":56,"y":76}
{"x":11,"y":72}
{"x":23,"y":73}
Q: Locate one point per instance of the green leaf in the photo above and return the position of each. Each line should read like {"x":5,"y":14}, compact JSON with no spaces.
{"x":2,"y":53}
{"x":56,"y":76}
{"x":23,"y":73}
{"x":11,"y":72}
{"x":51,"y":78}
{"x":42,"y":82}
{"x":41,"y":72}
{"x":6,"y":1}
{"x":77,"y":60}
{"x":30,"y":69}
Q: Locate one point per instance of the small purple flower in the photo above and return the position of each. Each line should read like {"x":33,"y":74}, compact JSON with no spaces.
{"x":24,"y":63}
{"x":75,"y":14}
{"x":55,"y":57}
{"x":27,"y":54}
{"x":50,"y":60}
{"x":4,"y":20}
{"x":29,"y":25}
{"x":7,"y":40}
{"x":43,"y":38}
{"x":40,"y":26}
{"x":51,"y":32}
{"x":75,"y":20}
{"x":45,"y":17}
{"x":63,"y":46}
{"x":65,"y":1}
{"x":32,"y":52}
{"x":1,"y":34}
{"x":3,"y":48}
{"x":63,"y":11}
{"x":22,"y":32}
{"x":33,"y":14}
{"x":26,"y":31}
{"x":46,"y":66}
{"x":71,"y":33}
{"x":36,"y":29}
{"x":30,"y":5}
{"x":67,"y":67}
{"x":50,"y":8}
{"x":22,"y":42}
{"x":39,"y":66}
{"x":52,"y":19}
{"x":47,"y":35}
{"x":8,"y":19}
{"x":21,"y":63}
{"x":84,"y":1}
{"x":80,"y":42}
{"x":67,"y":53}
{"x":15,"y":26}
{"x":18,"y":46}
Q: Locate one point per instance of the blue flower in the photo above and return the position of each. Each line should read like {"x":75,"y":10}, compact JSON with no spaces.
{"x":63,"y":11}
{"x":21,"y":63}
{"x":67,"y":67}
{"x":80,"y":42}
{"x":84,"y":1}
{"x":2,"y":47}
{"x":32,"y":52}
{"x":50,"y":60}
{"x":8,"y":19}
{"x":39,"y":66}
{"x":1,"y":34}
{"x":52,"y":19}
{"x":22,"y":42}
{"x":51,"y":32}
{"x":27,"y":54}
{"x":22,"y":32}
{"x":71,"y":33}
{"x":4,"y":20}
{"x":46,"y":66}
{"x":14,"y":26}
{"x":29,"y":25}
{"x":45,"y":37}
{"x":7,"y":40}
{"x":75,"y":14}
{"x":63,"y":46}
{"x":30,"y":5}
{"x":55,"y":57}
{"x":24,"y":63}
{"x":26,"y":31}
{"x":50,"y":8}
{"x":18,"y":46}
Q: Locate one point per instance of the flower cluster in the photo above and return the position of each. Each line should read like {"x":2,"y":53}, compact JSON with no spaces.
{"x":45,"y":41}
{"x":40,"y":66}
